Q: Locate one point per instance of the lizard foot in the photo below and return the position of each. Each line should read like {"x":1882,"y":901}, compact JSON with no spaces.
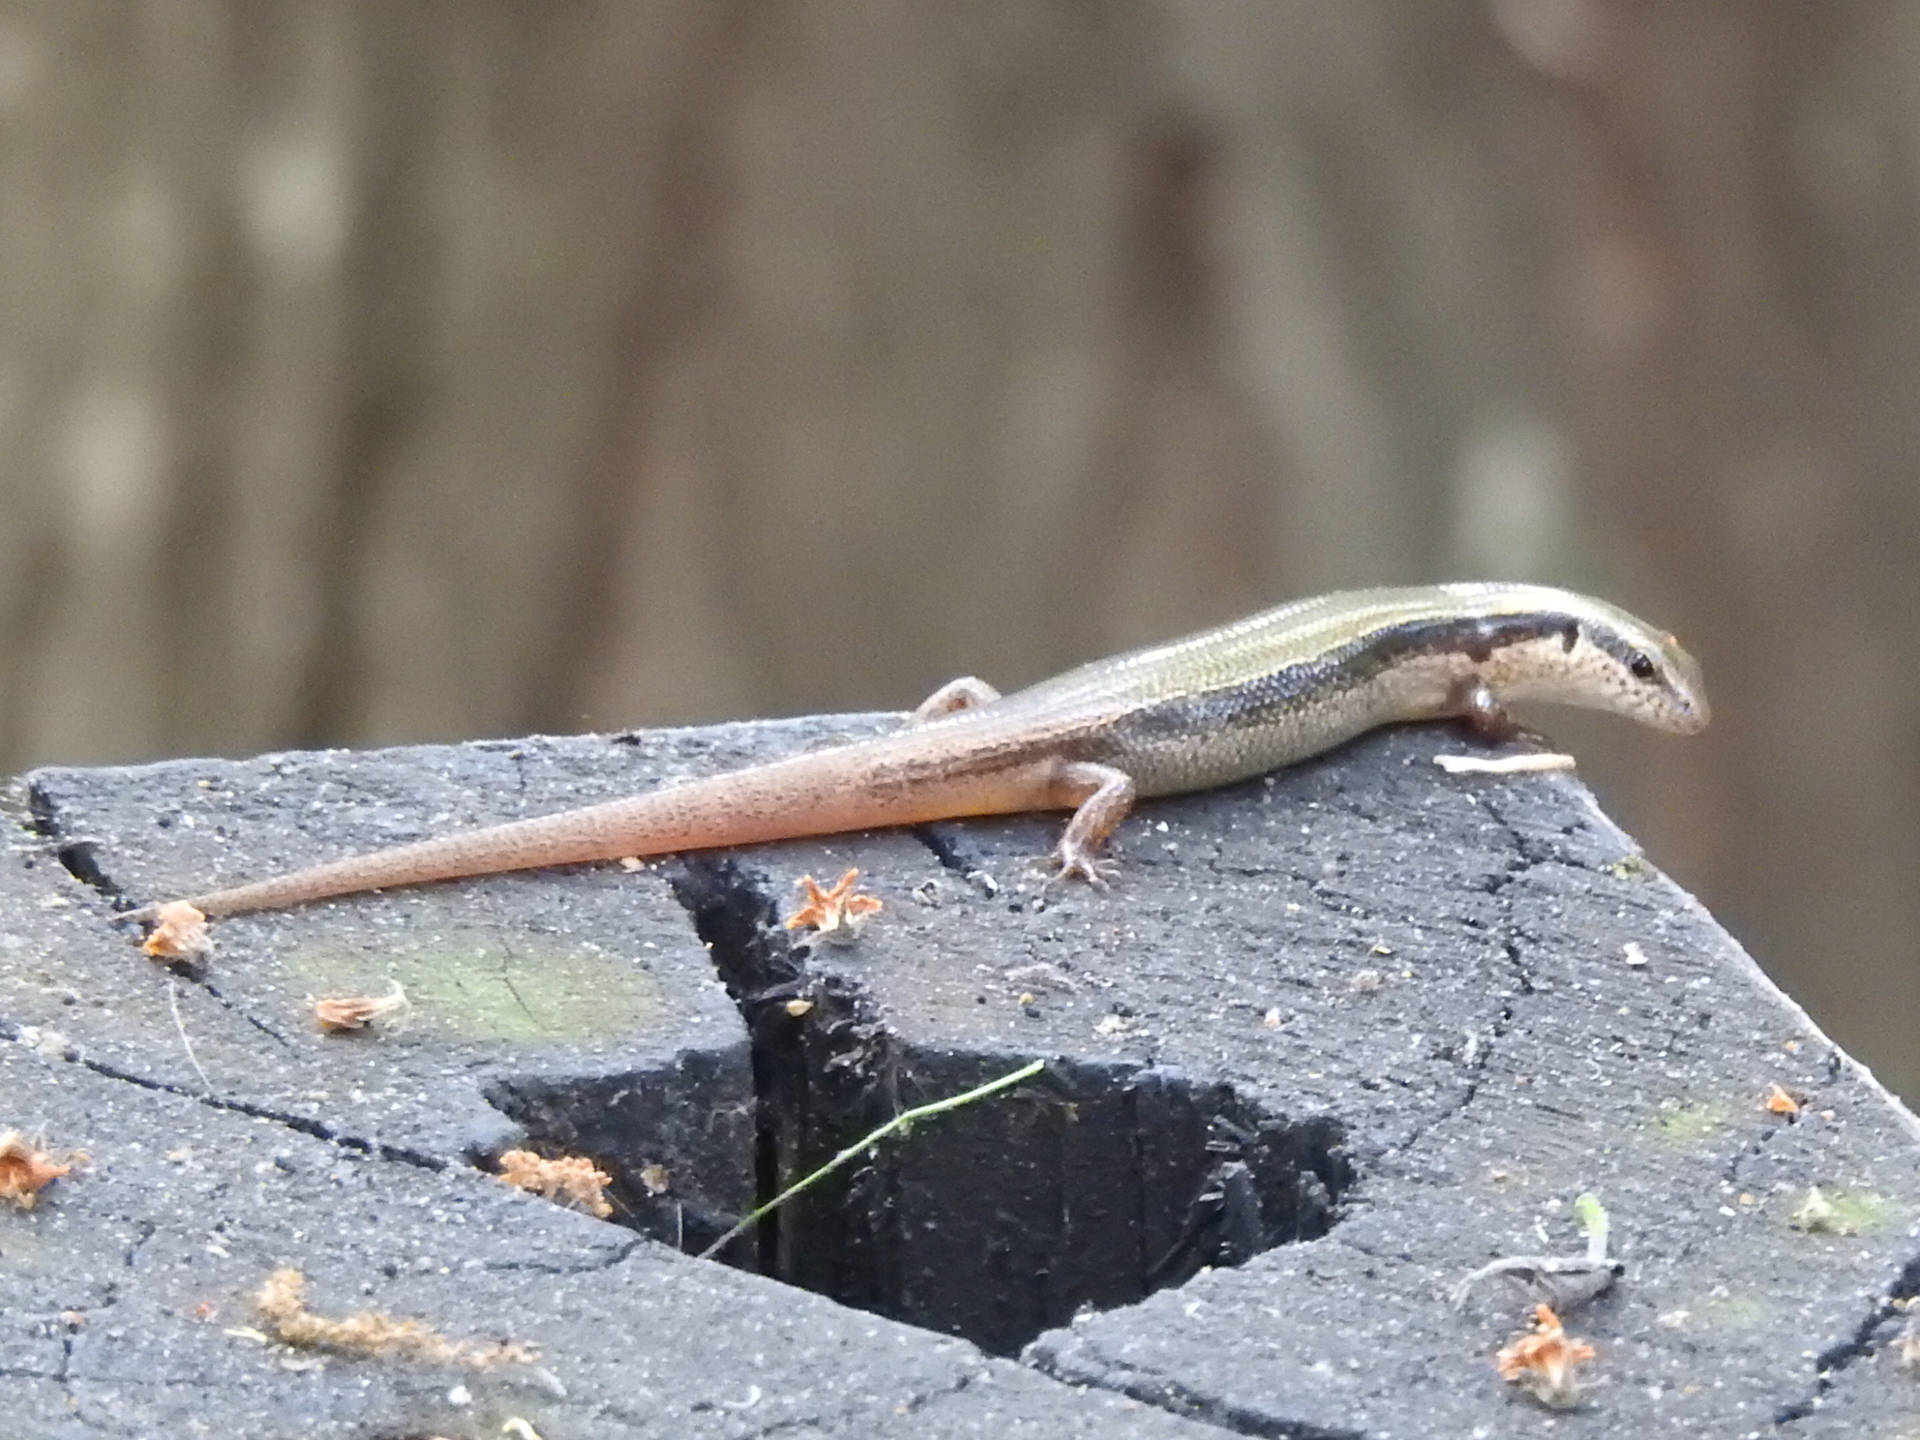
{"x":1077,"y":863}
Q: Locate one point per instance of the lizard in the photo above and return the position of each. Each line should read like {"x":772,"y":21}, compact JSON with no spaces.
{"x":1223,"y":705}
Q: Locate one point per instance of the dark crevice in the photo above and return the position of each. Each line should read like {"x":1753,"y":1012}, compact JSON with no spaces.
{"x":262,"y":1026}
{"x":1500,"y":889}
{"x":304,"y":1124}
{"x":1092,"y":1185}
{"x":1866,"y":1337}
{"x":1738,"y":1160}
{"x":919,"y":1401}
{"x":1508,"y":935}
{"x":78,"y":855}
{"x":592,"y":1264}
{"x":144,"y":1231}
{"x":688,"y":1152}
{"x":821,"y":1423}
{"x":762,"y":973}
{"x":944,"y":849}
{"x":1181,"y":1400}
{"x":1888,"y":1315}
{"x":1730,"y":1177}
{"x":81,"y":860}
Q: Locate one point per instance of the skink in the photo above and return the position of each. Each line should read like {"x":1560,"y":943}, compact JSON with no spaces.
{"x":1220,"y":706}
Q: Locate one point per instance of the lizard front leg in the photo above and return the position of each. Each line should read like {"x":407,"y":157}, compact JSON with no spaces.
{"x":966,"y":693}
{"x":1482,"y":712}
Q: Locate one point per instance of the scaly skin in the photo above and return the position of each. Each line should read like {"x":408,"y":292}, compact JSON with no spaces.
{"x":1220,"y":706}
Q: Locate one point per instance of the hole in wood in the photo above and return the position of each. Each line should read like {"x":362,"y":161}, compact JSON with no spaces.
{"x":1089,"y":1187}
{"x":1092,"y":1185}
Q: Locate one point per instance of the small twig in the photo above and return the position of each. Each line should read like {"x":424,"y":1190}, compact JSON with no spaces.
{"x":173,"y":1004}
{"x":867,"y":1142}
{"x":1530,"y":762}
{"x":1562,"y":1281}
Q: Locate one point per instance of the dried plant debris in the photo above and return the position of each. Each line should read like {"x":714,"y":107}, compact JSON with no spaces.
{"x":836,"y":915}
{"x":1815,"y":1213}
{"x":1532,"y":762}
{"x":344,"y":1014}
{"x":1543,"y":1361}
{"x":1563,"y":1282}
{"x":570,"y":1180}
{"x":1567,"y":1281}
{"x":1779,"y":1102}
{"x":1829,"y":1211}
{"x":368,"y":1333}
{"x":26,"y":1170}
{"x":179,"y":933}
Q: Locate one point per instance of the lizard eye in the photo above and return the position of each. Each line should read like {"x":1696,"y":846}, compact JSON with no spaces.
{"x":1640,"y":665}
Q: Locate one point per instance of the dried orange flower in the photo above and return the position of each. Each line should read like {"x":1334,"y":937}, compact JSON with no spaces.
{"x":368,"y":1332}
{"x":25,"y":1171}
{"x":339,"y":1013}
{"x":1542,"y":1361}
{"x":571,"y":1179}
{"x":1780,"y":1102}
{"x":179,"y":933}
{"x":837,"y":914}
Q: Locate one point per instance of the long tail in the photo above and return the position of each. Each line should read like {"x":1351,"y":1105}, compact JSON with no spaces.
{"x":852,"y":787}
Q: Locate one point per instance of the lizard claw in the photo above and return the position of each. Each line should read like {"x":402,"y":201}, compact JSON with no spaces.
{"x":1076,"y":863}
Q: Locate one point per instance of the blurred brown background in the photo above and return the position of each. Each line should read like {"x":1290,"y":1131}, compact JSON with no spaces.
{"x":390,"y":371}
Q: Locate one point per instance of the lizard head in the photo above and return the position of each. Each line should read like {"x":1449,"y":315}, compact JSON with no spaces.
{"x":1597,"y":655}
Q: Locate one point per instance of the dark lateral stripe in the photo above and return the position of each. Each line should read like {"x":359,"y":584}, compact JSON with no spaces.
{"x":1476,"y":638}
{"x":1265,"y":702}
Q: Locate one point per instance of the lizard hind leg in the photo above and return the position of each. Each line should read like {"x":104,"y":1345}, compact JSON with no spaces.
{"x":966,"y":693}
{"x":1101,"y":797}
